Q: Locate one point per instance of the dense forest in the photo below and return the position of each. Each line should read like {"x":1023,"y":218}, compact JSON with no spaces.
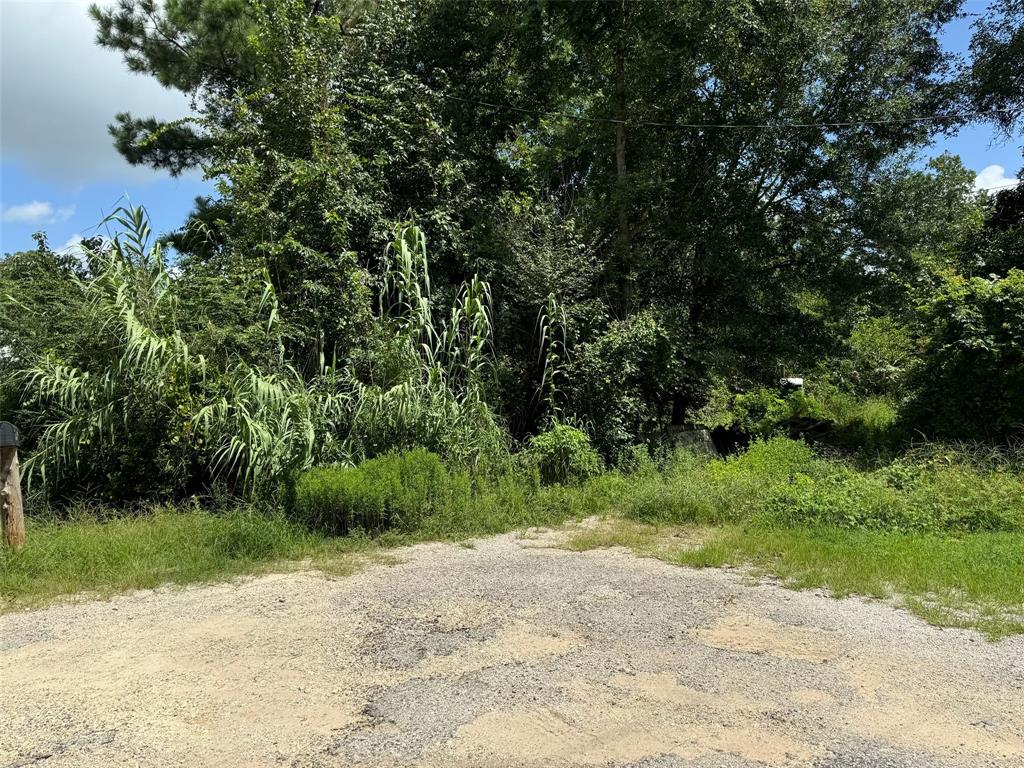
{"x":471,"y":226}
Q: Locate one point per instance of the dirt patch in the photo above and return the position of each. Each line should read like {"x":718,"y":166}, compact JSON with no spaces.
{"x":752,"y":634}
{"x":508,"y":653}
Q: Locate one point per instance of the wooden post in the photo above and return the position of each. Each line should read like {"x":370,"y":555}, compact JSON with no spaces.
{"x":10,"y":496}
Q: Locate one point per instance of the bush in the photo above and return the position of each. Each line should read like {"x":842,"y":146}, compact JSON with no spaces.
{"x":625,"y":381}
{"x":563,"y":454}
{"x":856,"y":423}
{"x":697,"y":488}
{"x":971,"y":374}
{"x":759,"y":412}
{"x":881,"y":350}
{"x":396,"y":490}
{"x":783,"y":482}
{"x":861,"y":424}
{"x":902,"y":497}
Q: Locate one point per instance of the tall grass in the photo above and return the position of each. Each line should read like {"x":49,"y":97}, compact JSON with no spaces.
{"x":783,"y":481}
{"x":944,"y":530}
{"x":167,"y":545}
{"x":142,"y":414}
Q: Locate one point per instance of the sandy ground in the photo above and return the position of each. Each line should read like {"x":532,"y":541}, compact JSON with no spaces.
{"x":510,"y":653}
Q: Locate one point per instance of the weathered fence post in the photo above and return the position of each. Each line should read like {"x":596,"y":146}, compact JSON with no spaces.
{"x":10,"y":488}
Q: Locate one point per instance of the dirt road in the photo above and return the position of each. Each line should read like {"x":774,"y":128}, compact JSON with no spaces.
{"x":510,"y":653}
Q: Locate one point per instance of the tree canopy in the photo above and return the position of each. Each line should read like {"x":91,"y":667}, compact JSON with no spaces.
{"x":651,"y":203}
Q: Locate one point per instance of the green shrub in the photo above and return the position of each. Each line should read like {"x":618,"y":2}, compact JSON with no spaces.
{"x":859,"y":423}
{"x":624,"y":382}
{"x":773,"y":460}
{"x":396,"y":490}
{"x":971,"y":373}
{"x":759,"y":412}
{"x":902,"y":497}
{"x":563,"y":454}
{"x":783,"y":482}
{"x":881,"y":350}
{"x":693,"y":487}
{"x":635,"y":459}
{"x":844,"y":498}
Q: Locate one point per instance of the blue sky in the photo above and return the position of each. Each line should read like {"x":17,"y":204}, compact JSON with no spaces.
{"x":58,"y":169}
{"x":60,"y":173}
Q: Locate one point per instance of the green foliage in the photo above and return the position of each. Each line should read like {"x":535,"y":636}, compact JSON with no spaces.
{"x":563,"y":454}
{"x":165,"y":545}
{"x":440,"y":400}
{"x":118,"y":420}
{"x":624,"y":383}
{"x":997,"y":49}
{"x":260,"y":427}
{"x":686,"y":264}
{"x":695,"y":488}
{"x":759,"y":412}
{"x":323,"y":123}
{"x":866,"y":425}
{"x":41,"y":301}
{"x":972,"y":368}
{"x":881,"y":350}
{"x":140,"y":412}
{"x":784,"y":482}
{"x":552,"y":355}
{"x":185,"y":45}
{"x":396,"y":490}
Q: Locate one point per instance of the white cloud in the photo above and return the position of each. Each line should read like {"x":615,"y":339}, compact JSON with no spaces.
{"x":59,"y":91}
{"x":993,"y":177}
{"x":37,"y":212}
{"x":73,"y":245}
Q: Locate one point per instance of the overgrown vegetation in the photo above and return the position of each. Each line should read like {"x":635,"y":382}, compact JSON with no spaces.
{"x":943,"y":532}
{"x":397,"y":490}
{"x":635,"y":231}
{"x":101,"y":557}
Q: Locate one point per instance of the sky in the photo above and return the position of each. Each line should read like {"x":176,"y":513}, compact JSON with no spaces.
{"x":60,"y":173}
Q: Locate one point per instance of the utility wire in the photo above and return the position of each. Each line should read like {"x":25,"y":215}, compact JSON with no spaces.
{"x":1003,"y":186}
{"x":731,"y":126}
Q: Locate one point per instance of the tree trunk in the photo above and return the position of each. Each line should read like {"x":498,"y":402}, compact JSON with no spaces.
{"x":10,"y":496}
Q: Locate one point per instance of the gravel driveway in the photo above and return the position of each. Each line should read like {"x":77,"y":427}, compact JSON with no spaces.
{"x":509,"y":653}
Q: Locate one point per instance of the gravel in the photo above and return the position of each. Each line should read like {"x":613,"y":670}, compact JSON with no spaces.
{"x":509,"y":653}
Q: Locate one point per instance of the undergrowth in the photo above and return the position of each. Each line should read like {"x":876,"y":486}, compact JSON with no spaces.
{"x":102,"y":557}
{"x":942,"y":528}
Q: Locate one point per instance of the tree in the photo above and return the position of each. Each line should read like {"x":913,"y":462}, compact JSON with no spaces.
{"x":714,"y":162}
{"x":996,"y":76}
{"x":194,"y":46}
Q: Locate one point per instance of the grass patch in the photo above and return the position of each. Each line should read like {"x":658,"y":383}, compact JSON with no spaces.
{"x":644,"y":539}
{"x":168,"y":546}
{"x":101,"y":556}
{"x":973,"y":580}
{"x":943,"y":532}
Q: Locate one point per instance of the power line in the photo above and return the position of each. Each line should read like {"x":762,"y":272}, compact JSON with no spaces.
{"x":1003,"y":186}
{"x":731,"y":126}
